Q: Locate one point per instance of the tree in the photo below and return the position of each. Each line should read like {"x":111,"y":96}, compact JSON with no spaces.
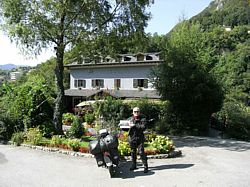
{"x":184,"y":80}
{"x":37,"y":24}
{"x":29,"y":102}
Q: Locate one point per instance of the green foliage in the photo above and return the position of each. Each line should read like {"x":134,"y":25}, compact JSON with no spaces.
{"x":162,"y":144}
{"x":46,"y":71}
{"x":34,"y":136}
{"x":89,"y":118}
{"x":237,"y":119}
{"x":76,"y":130}
{"x":29,"y":102}
{"x":18,"y":138}
{"x":150,"y":109}
{"x":35,"y":25}
{"x":124,"y":148}
{"x":56,"y":140}
{"x":68,"y":117}
{"x":184,"y":80}
{"x":150,"y":136}
{"x":111,"y":110}
{"x":74,"y":144}
{"x":9,"y":125}
{"x":228,"y":13}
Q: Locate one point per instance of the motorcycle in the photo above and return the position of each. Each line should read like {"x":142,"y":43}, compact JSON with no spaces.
{"x":105,"y":151}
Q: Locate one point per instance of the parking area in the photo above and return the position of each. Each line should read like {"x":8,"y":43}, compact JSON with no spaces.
{"x":204,"y":162}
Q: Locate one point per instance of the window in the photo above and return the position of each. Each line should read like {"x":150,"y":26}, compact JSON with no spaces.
{"x":140,"y":83}
{"x":98,"y":83}
{"x":80,"y":83}
{"x":117,"y":83}
{"x":148,"y":57}
{"x":140,"y":57}
{"x":127,"y":58}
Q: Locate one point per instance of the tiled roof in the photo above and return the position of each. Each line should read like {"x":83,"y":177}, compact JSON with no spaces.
{"x":151,"y":94}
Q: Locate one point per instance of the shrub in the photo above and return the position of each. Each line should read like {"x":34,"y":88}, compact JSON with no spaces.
{"x":238,"y":120}
{"x":8,"y":126}
{"x":89,"y":118}
{"x":150,"y":137}
{"x":124,"y":148}
{"x":162,"y":143}
{"x":34,"y":136}
{"x":56,"y":141}
{"x":74,"y":144}
{"x":123,"y":136}
{"x":76,"y":130}
{"x":18,"y":138}
{"x":67,"y":118}
{"x":47,"y":128}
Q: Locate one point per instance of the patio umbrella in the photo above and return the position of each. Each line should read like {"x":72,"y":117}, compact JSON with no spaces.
{"x":84,"y":103}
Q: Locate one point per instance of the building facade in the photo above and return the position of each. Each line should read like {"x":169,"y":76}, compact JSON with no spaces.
{"x":15,"y":75}
{"x":127,"y":77}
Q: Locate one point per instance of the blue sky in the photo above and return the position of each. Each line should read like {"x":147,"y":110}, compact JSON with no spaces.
{"x":165,"y":15}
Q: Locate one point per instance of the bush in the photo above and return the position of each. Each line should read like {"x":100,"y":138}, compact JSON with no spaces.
{"x":8,"y":126}
{"x":74,"y":144}
{"x":89,"y":118}
{"x":67,"y":118}
{"x":18,"y":138}
{"x":56,"y":140}
{"x":34,"y":136}
{"x":238,"y":120}
{"x":162,"y":144}
{"x":47,"y":128}
{"x":124,"y":148}
{"x":76,"y":130}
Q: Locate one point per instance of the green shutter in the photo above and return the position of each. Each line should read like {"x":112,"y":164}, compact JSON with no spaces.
{"x":145,"y":83}
{"x":93,"y":83}
{"x":135,"y":83}
{"x":75,"y":83}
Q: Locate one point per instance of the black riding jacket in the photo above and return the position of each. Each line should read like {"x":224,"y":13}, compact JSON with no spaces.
{"x":136,"y":134}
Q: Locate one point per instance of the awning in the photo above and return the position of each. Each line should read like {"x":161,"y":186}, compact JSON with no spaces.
{"x":87,"y":103}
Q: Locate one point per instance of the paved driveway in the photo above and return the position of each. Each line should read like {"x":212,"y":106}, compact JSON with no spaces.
{"x":205,"y":162}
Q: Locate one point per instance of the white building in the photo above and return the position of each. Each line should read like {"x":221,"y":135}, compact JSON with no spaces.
{"x":15,"y":75}
{"x":124,"y":78}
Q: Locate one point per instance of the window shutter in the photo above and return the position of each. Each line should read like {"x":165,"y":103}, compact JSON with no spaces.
{"x":75,"y":83}
{"x":102,"y":83}
{"x":145,"y":83}
{"x":93,"y":83}
{"x":135,"y":83}
{"x":84,"y":84}
{"x":117,"y":83}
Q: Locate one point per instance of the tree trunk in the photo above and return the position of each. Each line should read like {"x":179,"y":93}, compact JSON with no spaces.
{"x":59,"y":102}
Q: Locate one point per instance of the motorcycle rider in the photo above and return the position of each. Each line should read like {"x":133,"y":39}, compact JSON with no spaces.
{"x":136,"y":138}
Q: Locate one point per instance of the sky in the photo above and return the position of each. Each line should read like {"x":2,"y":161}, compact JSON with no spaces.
{"x":165,"y":15}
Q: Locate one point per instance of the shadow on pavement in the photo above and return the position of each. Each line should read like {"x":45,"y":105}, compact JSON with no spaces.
{"x":172,"y":166}
{"x":124,"y":172}
{"x":191,"y":141}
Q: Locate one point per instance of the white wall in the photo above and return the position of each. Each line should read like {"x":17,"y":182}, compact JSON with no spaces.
{"x":126,"y":74}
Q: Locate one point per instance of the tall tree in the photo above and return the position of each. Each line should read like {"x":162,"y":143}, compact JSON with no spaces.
{"x":37,"y":24}
{"x":184,"y":80}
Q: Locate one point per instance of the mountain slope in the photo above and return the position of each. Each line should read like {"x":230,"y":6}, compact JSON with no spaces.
{"x":8,"y":66}
{"x":225,"y":13}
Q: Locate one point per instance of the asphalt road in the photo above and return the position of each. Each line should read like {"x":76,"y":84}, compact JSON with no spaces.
{"x":205,"y":162}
